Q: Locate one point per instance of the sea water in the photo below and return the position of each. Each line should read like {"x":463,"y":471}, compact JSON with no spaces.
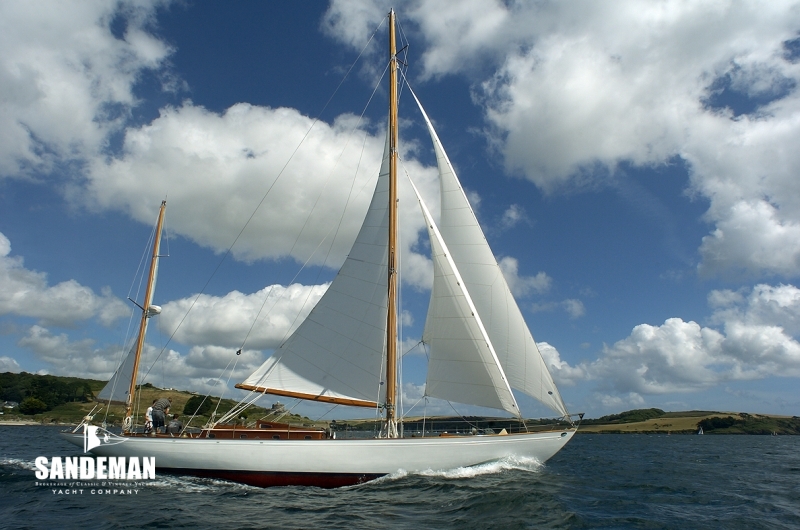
{"x":596,"y":481}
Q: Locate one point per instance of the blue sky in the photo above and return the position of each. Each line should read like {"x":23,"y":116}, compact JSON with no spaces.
{"x":634,"y":169}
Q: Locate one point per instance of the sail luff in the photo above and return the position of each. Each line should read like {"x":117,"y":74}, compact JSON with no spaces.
{"x":151,"y":280}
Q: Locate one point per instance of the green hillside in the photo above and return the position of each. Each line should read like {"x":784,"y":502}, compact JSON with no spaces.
{"x":67,"y":400}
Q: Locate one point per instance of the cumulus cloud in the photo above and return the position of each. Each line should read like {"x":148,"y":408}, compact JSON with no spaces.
{"x":754,"y":337}
{"x":562,"y":372}
{"x":203,"y":369}
{"x":77,"y":358}
{"x":26,"y":293}
{"x":7,"y":364}
{"x":572,"y":90}
{"x":224,"y":321}
{"x":762,"y":305}
{"x":67,"y":80}
{"x":217,"y":168}
{"x":629,"y":400}
{"x":513,"y":215}
{"x":522,"y":285}
{"x":574,"y":307}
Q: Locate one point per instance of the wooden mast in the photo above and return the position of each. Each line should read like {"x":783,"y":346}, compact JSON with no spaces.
{"x":391,"y":323}
{"x":145,"y":315}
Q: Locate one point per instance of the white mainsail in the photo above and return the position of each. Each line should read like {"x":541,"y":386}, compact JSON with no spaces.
{"x":338,"y":351}
{"x":512,"y":340}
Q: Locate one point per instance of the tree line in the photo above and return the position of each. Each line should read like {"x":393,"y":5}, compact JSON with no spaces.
{"x":40,"y":393}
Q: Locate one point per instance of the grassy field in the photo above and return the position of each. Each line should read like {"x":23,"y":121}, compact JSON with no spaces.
{"x":687,"y":423}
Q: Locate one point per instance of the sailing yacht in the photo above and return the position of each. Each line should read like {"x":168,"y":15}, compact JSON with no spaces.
{"x":345,"y":353}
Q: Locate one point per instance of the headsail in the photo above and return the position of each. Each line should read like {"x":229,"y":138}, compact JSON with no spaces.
{"x":336,"y":354}
{"x":463,"y":366}
{"x":510,"y":336}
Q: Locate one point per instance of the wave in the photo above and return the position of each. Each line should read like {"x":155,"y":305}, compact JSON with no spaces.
{"x":509,"y":463}
{"x":18,"y":463}
{"x":192,"y":484}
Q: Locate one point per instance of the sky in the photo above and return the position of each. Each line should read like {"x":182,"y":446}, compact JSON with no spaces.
{"x":630,"y":163}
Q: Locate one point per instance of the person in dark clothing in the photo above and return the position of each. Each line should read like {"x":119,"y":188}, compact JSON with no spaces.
{"x":160,"y":410}
{"x":175,"y":426}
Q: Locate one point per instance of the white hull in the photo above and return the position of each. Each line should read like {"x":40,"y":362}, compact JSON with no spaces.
{"x":327,"y":463}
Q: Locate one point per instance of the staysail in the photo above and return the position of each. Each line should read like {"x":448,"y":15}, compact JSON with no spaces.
{"x":462,"y":365}
{"x":336,"y":354}
{"x":512,"y":340}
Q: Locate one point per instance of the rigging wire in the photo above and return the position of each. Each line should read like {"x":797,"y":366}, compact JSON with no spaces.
{"x":334,"y":230}
{"x":258,"y":206}
{"x":140,"y":271}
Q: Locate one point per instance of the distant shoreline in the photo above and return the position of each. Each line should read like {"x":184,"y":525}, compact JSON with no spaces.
{"x":678,"y":423}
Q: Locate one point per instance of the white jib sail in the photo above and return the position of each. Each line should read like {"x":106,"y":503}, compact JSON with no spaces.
{"x":517,"y":351}
{"x":338,"y":350}
{"x":463,"y":366}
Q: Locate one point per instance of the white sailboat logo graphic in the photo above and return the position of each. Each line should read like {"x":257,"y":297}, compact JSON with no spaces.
{"x":92,"y":439}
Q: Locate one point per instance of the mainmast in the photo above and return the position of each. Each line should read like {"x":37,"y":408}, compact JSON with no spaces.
{"x":147,"y":312}
{"x":391,"y":321}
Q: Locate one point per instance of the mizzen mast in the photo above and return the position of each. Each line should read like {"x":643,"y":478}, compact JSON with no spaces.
{"x":391,"y":320}
{"x":147,"y":311}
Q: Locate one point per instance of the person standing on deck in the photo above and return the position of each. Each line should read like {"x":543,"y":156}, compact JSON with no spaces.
{"x":160,"y":411}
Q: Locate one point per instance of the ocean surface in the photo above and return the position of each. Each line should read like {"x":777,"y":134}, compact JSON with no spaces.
{"x":597,"y":481}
